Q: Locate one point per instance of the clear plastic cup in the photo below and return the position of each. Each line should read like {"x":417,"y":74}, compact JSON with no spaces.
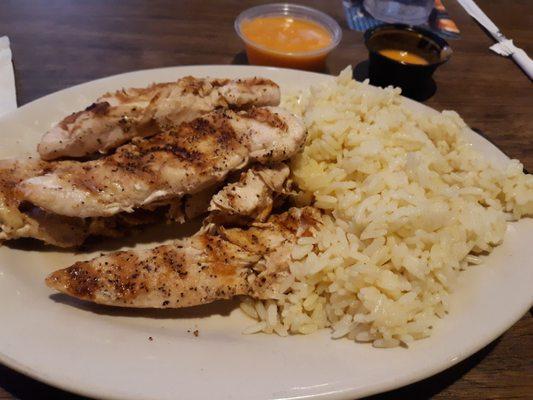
{"x":412,"y":12}
{"x":308,"y":60}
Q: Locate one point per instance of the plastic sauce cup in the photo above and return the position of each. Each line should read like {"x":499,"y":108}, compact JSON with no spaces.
{"x":384,"y":70}
{"x":259,"y":54}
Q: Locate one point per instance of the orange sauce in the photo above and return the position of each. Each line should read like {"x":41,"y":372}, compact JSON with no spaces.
{"x":286,"y":41}
{"x":405,"y":57}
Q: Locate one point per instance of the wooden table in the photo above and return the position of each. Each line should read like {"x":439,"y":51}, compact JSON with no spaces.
{"x":60,"y":43}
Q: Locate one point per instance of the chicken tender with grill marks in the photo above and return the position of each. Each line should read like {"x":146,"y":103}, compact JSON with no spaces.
{"x":18,"y":220}
{"x":248,"y":196}
{"x":116,"y":118}
{"x":179,"y":161}
{"x":212,"y":265}
{"x":23,"y":220}
{"x":32,"y":222}
{"x":252,"y":197}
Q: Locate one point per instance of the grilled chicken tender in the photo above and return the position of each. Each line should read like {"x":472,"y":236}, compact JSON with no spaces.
{"x":179,"y":161}
{"x":116,"y":118}
{"x":32,"y":222}
{"x":252,"y":197}
{"x":19,"y":220}
{"x":197,"y":270}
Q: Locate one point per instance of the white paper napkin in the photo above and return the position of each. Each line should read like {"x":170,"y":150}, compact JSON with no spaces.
{"x":8,"y":94}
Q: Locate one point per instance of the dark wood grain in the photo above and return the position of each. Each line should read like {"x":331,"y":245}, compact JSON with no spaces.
{"x":60,"y":43}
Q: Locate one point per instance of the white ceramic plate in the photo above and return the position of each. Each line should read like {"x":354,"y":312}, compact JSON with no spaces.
{"x":106,"y":353}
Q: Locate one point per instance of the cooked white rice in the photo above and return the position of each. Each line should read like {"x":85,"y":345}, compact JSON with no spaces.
{"x":408,"y":205}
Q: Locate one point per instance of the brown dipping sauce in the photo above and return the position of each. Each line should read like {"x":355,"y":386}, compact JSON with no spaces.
{"x":405,"y":57}
{"x":406,"y":47}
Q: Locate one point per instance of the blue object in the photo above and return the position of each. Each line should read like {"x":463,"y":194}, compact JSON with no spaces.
{"x":359,"y":19}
